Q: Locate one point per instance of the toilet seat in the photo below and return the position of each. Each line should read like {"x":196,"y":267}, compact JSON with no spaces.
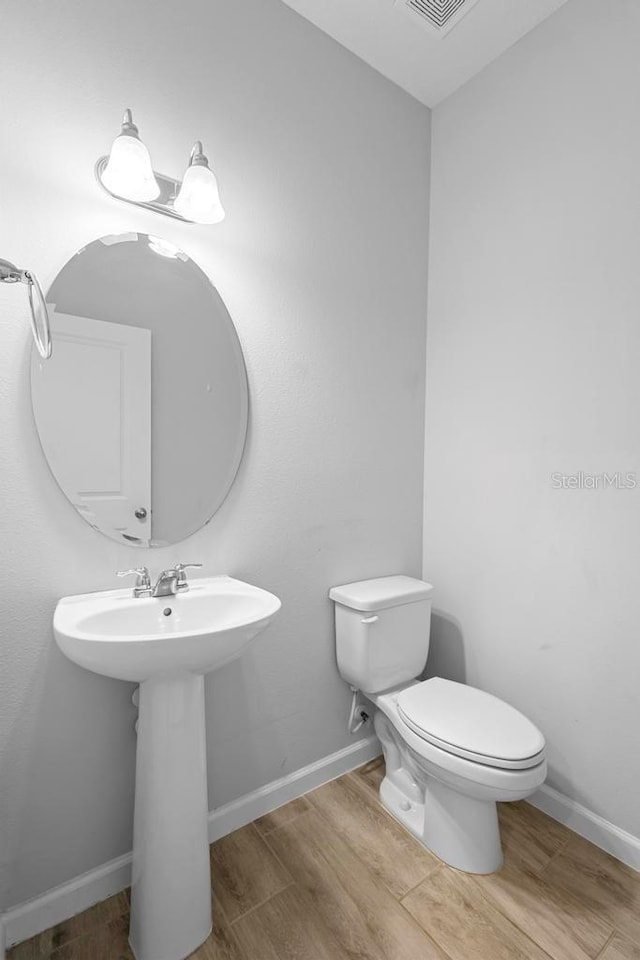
{"x":470,"y":723}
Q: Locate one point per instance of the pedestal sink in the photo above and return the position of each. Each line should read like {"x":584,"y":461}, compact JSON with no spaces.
{"x":167,"y":644}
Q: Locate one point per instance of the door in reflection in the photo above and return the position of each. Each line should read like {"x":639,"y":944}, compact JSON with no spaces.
{"x":93,"y":407}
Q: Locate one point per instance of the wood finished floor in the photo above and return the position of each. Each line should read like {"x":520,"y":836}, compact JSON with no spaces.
{"x":333,"y":877}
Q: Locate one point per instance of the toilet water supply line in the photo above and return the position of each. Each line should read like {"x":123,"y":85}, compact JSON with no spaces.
{"x":358,"y":716}
{"x":39,"y":315}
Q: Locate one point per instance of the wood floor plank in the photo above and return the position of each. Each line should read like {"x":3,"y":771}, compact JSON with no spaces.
{"x":553,"y":917}
{"x":605,"y":885}
{"x":530,"y":838}
{"x":620,"y":949}
{"x":390,"y":852}
{"x":287,"y":927}
{"x":110,"y":941}
{"x":363,"y":916}
{"x":452,"y":909}
{"x":29,"y":949}
{"x":43,"y":944}
{"x":222,"y":944}
{"x":370,"y":775}
{"x":244,"y":872}
{"x":271,"y":821}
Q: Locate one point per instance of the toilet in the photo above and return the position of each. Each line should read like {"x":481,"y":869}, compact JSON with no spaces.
{"x":451,"y":751}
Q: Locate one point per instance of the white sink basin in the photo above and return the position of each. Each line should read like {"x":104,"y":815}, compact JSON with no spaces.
{"x":134,"y":639}
{"x":167,"y":644}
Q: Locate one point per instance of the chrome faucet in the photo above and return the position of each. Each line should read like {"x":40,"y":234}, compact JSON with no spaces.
{"x":168,"y":584}
{"x":171,"y":582}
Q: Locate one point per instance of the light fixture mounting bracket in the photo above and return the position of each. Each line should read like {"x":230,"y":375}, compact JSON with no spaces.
{"x":163,"y":204}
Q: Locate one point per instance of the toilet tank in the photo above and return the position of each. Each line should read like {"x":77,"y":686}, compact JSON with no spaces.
{"x":382,"y":631}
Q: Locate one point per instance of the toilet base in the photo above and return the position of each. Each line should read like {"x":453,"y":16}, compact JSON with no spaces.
{"x":460,"y":830}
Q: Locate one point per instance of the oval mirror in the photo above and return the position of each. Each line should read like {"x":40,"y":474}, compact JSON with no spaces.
{"x":142,"y":408}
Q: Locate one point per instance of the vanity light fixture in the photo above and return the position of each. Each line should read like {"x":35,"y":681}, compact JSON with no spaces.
{"x":127,"y":174}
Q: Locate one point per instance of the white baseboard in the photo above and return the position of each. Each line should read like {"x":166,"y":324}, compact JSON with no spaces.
{"x":66,"y":900}
{"x":622,"y":845}
{"x":32,"y":917}
{"x":236,"y":814}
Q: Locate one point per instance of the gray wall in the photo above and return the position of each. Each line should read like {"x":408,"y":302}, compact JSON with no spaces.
{"x":323,"y":169}
{"x":533,"y":349}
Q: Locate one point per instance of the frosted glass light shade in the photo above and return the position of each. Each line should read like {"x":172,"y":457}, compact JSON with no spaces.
{"x":129,"y":173}
{"x":198,"y":199}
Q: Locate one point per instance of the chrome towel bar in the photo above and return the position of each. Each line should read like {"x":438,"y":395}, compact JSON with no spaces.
{"x":39,"y":315}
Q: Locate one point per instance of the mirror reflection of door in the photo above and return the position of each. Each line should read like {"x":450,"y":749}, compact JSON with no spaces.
{"x":93,"y":405}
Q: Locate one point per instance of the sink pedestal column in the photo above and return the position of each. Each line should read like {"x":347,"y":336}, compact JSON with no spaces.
{"x":171,"y":885}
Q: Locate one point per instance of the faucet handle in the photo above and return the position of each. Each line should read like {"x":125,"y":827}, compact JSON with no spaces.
{"x":143,"y":579}
{"x":141,"y":572}
{"x":180,"y":569}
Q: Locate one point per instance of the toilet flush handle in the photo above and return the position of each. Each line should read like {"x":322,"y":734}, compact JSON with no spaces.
{"x":369,"y":620}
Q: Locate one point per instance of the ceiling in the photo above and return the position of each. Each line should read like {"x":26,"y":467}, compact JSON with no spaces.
{"x":402,"y":48}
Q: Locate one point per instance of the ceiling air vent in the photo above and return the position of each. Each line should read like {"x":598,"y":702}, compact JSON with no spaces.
{"x":438,"y":16}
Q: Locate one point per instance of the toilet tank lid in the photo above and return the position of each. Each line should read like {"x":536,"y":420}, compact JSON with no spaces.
{"x":380,"y":593}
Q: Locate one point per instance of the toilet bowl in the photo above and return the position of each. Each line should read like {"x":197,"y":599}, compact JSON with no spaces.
{"x":448,"y":799}
{"x":451,"y":751}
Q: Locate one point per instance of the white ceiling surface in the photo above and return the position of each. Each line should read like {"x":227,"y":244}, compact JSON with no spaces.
{"x":401,"y":48}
